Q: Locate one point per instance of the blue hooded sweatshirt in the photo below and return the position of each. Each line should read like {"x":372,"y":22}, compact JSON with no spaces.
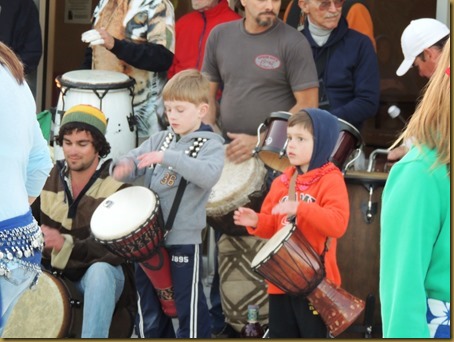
{"x":326,"y":132}
{"x":350,"y":77}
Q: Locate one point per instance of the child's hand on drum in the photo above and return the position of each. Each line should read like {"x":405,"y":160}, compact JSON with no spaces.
{"x":245,"y":217}
{"x":287,"y":207}
{"x":122,"y":169}
{"x":150,"y":158}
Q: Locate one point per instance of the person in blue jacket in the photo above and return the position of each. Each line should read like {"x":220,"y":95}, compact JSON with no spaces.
{"x":346,"y":63}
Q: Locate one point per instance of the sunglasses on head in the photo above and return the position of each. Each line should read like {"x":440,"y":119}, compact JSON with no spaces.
{"x":325,"y":5}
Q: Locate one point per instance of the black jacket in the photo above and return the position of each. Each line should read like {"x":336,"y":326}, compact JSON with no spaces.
{"x":20,"y":30}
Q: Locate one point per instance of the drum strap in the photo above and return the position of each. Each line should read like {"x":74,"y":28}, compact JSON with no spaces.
{"x":176,"y":204}
{"x":291,"y":196}
{"x":192,"y":152}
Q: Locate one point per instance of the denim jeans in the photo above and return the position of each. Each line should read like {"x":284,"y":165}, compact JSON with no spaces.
{"x":12,"y":288}
{"x":101,"y":286}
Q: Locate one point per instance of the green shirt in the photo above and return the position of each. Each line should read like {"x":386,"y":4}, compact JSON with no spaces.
{"x":415,"y":243}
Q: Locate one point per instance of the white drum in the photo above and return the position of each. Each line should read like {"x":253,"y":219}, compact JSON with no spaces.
{"x":111,"y":92}
{"x":240,"y":185}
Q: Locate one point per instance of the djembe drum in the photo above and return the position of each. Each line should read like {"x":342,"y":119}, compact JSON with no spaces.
{"x":288,"y":261}
{"x":129,"y":223}
{"x":240,"y":185}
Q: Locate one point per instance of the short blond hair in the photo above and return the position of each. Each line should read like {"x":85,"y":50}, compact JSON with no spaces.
{"x":188,"y":85}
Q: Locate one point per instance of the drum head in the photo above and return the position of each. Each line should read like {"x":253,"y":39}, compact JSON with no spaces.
{"x":273,"y":245}
{"x":123,"y":212}
{"x":95,"y":79}
{"x":237,"y":182}
{"x":43,"y":312}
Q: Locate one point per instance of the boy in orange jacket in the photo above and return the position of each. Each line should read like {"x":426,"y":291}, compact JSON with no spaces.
{"x":321,"y":211}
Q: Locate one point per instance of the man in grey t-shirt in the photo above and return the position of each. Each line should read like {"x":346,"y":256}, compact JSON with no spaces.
{"x":263,"y":66}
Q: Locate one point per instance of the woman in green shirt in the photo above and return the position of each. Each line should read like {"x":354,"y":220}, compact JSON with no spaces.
{"x":415,"y":221}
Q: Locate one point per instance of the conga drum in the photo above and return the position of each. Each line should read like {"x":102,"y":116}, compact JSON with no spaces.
{"x":129,"y":223}
{"x":272,"y":150}
{"x":358,"y":251}
{"x":239,"y":185}
{"x":288,"y":261}
{"x":349,"y":141}
{"x":110,"y":91}
{"x":239,"y":285}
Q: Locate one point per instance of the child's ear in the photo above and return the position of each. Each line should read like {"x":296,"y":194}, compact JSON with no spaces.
{"x":203,"y":110}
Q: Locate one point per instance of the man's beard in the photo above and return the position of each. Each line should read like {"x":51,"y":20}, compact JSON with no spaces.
{"x":265,"y":22}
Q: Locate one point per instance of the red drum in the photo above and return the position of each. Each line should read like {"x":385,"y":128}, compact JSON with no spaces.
{"x":240,"y":185}
{"x":288,"y":261}
{"x":129,"y":223}
{"x":349,"y":140}
{"x":272,"y":150}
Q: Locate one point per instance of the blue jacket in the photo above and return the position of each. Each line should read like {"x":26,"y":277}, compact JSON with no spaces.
{"x":351,"y":76}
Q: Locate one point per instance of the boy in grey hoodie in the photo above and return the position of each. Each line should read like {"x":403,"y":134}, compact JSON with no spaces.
{"x":188,"y":149}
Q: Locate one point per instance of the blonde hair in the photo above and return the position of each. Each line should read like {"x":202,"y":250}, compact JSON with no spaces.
{"x":430,"y":125}
{"x":11,"y":62}
{"x":188,"y":85}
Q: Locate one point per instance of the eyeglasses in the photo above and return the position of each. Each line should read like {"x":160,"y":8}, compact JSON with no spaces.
{"x":325,"y":5}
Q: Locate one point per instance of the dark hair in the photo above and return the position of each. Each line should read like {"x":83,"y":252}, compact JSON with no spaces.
{"x":100,"y":143}
{"x":301,"y":118}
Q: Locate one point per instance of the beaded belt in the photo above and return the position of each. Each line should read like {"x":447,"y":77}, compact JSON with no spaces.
{"x":19,"y":243}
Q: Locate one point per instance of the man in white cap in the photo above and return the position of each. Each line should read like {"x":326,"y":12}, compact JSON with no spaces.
{"x":422,"y":42}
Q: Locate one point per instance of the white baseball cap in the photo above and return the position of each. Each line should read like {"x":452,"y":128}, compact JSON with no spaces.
{"x":419,"y":35}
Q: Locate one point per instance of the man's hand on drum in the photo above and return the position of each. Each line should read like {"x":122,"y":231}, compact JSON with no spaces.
{"x":245,"y":217}
{"x":150,"y":158}
{"x":98,"y":37}
{"x":122,"y":169}
{"x":288,"y":207}
{"x":53,"y":239}
{"x":240,"y":148}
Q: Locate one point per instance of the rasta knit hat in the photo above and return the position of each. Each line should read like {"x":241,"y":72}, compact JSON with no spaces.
{"x":86,"y":114}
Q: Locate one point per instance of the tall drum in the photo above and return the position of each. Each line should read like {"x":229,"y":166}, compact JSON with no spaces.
{"x":111,"y":92}
{"x":239,"y":284}
{"x":358,"y":251}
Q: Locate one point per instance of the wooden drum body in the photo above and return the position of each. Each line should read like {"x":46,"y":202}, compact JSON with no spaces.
{"x":54,"y":309}
{"x":358,"y":251}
